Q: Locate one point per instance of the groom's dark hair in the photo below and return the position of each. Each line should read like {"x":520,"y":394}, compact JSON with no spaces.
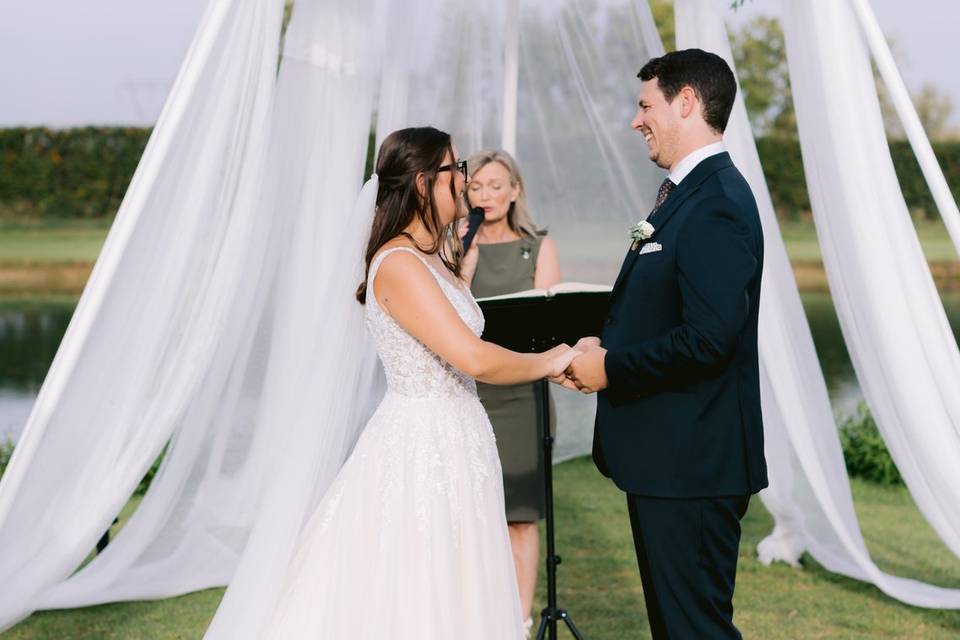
{"x":706,"y":73}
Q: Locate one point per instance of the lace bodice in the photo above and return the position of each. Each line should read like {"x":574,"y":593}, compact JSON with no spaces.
{"x":411,"y":368}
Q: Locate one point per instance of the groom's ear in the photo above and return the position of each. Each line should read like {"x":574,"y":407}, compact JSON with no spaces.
{"x":689,"y":103}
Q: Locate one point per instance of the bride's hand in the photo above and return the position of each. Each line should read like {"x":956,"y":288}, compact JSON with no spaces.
{"x":558,"y":360}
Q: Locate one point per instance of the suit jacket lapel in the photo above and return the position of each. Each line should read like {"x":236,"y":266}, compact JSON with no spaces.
{"x":687,"y":187}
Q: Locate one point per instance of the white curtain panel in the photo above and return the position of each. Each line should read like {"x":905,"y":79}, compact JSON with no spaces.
{"x":809,"y":493}
{"x":147,"y":355}
{"x":587,"y":173}
{"x":221,"y":316}
{"x":324,"y":378}
{"x":900,"y":98}
{"x":901,"y":345}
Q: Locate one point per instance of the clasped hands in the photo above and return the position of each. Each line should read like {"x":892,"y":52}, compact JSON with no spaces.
{"x":584,"y":370}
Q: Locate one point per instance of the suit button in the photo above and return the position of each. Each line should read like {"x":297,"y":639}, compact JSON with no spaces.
{"x":609,"y":320}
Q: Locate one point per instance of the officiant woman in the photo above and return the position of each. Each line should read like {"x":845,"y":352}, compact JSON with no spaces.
{"x":509,"y":254}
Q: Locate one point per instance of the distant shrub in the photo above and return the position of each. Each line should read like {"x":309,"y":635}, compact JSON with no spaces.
{"x":6,"y":450}
{"x":150,"y":474}
{"x":84,"y":172}
{"x":864,"y":451}
{"x":783,"y":168}
{"x":67,"y":173}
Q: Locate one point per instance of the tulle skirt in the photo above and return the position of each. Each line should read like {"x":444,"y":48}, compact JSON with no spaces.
{"x":410,"y":541}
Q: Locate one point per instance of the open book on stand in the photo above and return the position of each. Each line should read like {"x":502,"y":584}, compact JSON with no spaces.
{"x":561,"y":287}
{"x":538,"y":319}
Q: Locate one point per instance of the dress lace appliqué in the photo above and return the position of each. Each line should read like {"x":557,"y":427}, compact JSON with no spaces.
{"x":414,"y":521}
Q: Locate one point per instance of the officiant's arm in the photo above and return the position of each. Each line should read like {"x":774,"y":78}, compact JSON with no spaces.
{"x":410,"y":294}
{"x":717,"y":260}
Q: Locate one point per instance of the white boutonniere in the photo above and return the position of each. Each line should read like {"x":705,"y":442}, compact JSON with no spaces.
{"x":639,"y":232}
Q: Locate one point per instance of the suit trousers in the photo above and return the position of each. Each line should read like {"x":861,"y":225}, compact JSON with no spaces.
{"x":687,"y":554}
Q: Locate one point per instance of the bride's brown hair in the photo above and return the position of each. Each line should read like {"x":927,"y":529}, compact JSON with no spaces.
{"x":403,"y":155}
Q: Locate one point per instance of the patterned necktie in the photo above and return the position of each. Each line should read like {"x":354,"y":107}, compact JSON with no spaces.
{"x":665,"y":188}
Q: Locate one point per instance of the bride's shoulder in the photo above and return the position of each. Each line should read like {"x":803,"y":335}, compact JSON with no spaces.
{"x":400,"y":251}
{"x":398,"y":262}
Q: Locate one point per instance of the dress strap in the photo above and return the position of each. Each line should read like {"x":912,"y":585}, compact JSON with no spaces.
{"x":460,"y":290}
{"x":375,"y":265}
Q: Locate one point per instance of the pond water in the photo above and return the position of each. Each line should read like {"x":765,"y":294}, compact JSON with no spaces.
{"x":31,"y":331}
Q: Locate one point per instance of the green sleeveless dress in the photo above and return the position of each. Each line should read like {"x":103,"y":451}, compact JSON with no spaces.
{"x":508,"y":267}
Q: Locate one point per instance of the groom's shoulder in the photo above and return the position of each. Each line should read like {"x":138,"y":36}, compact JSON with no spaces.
{"x":723,"y":201}
{"x":730,"y":186}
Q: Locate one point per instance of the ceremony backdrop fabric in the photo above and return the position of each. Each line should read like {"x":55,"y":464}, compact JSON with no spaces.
{"x":157,"y":349}
{"x":220,"y":320}
{"x":809,"y":494}
{"x":209,"y":321}
{"x":893,"y":322}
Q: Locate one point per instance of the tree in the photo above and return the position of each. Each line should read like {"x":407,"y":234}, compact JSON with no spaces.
{"x":759,"y":53}
{"x":662,"y":11}
{"x":287,"y":14}
{"x":934,"y":108}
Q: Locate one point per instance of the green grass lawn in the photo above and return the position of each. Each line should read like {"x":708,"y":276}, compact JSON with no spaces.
{"x":600,"y":586}
{"x":64,"y":243}
{"x":802,"y":245}
{"x":81,"y":242}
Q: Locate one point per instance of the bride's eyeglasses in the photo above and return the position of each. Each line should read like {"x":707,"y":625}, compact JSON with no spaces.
{"x":460,"y":165}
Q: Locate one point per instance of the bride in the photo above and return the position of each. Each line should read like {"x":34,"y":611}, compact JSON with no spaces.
{"x":410,"y":540}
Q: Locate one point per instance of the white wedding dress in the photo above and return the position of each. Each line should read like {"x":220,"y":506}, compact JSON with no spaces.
{"x":410,"y":542}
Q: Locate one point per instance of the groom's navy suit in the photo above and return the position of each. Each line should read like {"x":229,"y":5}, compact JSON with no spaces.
{"x":679,"y":426}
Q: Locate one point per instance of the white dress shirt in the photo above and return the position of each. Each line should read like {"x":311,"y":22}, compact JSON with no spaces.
{"x":690,"y":162}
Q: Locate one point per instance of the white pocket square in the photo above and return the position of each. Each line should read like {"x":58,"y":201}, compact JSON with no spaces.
{"x":651,"y":247}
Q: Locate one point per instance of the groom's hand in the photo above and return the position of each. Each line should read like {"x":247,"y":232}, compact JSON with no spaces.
{"x":564,"y":382}
{"x":587,"y":372}
{"x":587,"y":343}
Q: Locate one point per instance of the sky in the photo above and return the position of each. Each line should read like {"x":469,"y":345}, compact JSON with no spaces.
{"x":923,"y":33}
{"x":69,"y":63}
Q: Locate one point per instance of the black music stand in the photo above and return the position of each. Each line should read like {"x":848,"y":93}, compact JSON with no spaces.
{"x":534,"y":324}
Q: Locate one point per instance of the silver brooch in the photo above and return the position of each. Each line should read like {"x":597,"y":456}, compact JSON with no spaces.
{"x":525,"y":253}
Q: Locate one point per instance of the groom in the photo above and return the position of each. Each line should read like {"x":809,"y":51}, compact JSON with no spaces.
{"x":678,"y":423}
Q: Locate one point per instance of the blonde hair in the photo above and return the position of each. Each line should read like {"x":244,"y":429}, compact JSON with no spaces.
{"x":518,"y":216}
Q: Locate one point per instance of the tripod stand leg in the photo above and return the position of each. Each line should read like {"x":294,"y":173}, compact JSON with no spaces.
{"x":571,"y":626}
{"x":543,"y":626}
{"x":551,"y":614}
{"x":548,"y":623}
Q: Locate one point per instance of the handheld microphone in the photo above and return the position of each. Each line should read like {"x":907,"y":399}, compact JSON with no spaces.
{"x":474,"y":220}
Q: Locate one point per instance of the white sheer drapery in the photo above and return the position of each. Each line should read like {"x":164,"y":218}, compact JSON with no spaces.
{"x":153,"y":342}
{"x":215,"y":323}
{"x":891,"y":316}
{"x":214,"y":320}
{"x":324,"y":378}
{"x":900,"y":97}
{"x":809,"y":494}
{"x":587,"y":175}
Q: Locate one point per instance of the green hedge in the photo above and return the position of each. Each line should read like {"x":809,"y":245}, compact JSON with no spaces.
{"x":864,"y":451}
{"x":83,"y":173}
{"x":783,"y":169}
{"x":70,"y":173}
{"x":6,"y":450}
